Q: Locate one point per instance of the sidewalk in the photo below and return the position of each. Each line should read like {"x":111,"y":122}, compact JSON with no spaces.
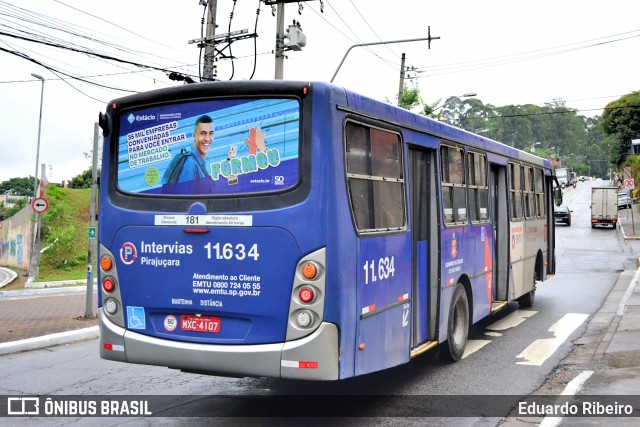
{"x":605,"y":360}
{"x":45,"y":315}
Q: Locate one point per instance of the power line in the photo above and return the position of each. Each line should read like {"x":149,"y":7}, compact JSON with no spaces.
{"x":524,"y":56}
{"x":86,"y":52}
{"x":56,"y":71}
{"x":25,"y":16}
{"x":387,"y":62}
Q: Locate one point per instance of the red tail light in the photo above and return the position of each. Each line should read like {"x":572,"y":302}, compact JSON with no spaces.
{"x":108,"y":285}
{"x":306,"y":295}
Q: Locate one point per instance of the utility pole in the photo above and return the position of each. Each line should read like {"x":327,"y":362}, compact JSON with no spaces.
{"x":401,"y":86}
{"x":211,"y":41}
{"x":297,"y":40}
{"x":209,"y":49}
{"x":92,"y":223}
{"x":279,"y":75}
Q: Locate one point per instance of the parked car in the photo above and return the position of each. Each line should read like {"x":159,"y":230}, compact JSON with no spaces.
{"x":562,"y":214}
{"x":624,"y":201}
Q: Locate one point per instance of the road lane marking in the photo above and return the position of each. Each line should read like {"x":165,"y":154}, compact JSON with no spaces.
{"x":512,"y":320}
{"x":574,"y":386}
{"x":473,"y":346}
{"x":541,"y":349}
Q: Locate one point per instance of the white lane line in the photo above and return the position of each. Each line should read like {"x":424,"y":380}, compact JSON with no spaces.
{"x":541,"y":349}
{"x":512,"y":320}
{"x":574,"y":386}
{"x":473,"y":346}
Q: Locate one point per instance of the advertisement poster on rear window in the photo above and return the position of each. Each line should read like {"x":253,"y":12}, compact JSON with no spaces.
{"x":210,"y":147}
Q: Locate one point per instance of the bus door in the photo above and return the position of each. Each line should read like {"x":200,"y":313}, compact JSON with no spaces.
{"x":500,"y":222}
{"x":550,"y":227}
{"x":424,"y":214}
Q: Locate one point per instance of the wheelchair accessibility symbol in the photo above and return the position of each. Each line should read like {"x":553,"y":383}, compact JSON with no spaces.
{"x":135,"y":318}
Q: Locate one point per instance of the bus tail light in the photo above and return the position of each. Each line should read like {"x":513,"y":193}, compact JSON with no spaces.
{"x":108,"y":284}
{"x":306,"y":294}
{"x":106,"y":263}
{"x":309,"y":270}
{"x":109,"y":288}
{"x":304,"y":318}
{"x":111,"y":306}
{"x":306,"y":308}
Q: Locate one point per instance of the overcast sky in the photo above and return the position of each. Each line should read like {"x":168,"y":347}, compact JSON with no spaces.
{"x":508,"y":52}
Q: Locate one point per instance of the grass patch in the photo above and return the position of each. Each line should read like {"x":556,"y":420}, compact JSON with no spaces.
{"x":65,"y":234}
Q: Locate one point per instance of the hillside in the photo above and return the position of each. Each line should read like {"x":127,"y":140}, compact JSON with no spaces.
{"x":65,"y":233}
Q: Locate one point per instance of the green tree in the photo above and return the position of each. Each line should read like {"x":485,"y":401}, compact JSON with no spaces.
{"x":551,"y":129}
{"x":621,"y":118}
{"x":410,"y":99}
{"x":18,"y":186}
{"x":82,"y":180}
{"x":17,"y":207}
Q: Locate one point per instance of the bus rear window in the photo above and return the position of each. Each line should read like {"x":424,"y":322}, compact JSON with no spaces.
{"x":213,"y":147}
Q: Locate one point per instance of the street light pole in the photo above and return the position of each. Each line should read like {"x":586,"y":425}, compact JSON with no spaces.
{"x":429,"y":38}
{"x":531,"y":147}
{"x":35,"y":183}
{"x":464,"y":95}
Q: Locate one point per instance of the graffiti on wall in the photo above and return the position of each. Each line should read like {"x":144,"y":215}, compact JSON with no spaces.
{"x":15,"y":235}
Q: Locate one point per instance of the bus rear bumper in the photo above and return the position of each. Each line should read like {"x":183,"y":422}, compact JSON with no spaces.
{"x":314,"y":357}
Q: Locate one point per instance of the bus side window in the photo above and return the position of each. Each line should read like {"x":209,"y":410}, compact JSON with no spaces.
{"x":539,"y":189}
{"x":447,"y":204}
{"x":478,"y":187}
{"x":515,"y":190}
{"x":529,"y":199}
{"x":454,"y":190}
{"x":375,"y":178}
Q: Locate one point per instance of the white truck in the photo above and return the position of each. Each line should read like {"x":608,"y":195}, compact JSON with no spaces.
{"x":604,"y":206}
{"x":562,"y":175}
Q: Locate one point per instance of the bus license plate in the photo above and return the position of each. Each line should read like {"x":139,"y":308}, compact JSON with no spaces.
{"x":200,"y":323}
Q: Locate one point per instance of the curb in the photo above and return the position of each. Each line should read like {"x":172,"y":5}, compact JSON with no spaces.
{"x":49,"y":340}
{"x":12,"y":276}
{"x":56,"y":284}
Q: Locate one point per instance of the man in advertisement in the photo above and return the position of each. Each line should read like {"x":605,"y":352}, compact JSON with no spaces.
{"x":189,"y":165}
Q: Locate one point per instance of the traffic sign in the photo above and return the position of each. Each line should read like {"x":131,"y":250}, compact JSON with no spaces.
{"x":40,"y":205}
{"x":92,"y":232}
{"x":628,"y":183}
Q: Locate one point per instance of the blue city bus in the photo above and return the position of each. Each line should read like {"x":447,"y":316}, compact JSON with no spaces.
{"x":300,"y":230}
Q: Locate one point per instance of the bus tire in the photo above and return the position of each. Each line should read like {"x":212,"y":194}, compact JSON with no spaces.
{"x":457,"y":326}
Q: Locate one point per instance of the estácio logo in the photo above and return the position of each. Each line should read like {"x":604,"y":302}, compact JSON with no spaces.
{"x":128,"y":253}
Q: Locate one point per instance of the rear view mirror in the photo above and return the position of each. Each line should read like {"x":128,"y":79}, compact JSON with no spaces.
{"x":557,"y":195}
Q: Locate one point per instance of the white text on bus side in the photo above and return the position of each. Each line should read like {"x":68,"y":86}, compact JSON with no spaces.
{"x":380,"y":270}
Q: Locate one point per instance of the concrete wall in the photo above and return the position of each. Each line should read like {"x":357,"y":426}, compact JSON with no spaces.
{"x":15,"y":239}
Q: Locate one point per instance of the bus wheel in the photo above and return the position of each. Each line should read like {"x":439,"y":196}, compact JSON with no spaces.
{"x":458,"y":325}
